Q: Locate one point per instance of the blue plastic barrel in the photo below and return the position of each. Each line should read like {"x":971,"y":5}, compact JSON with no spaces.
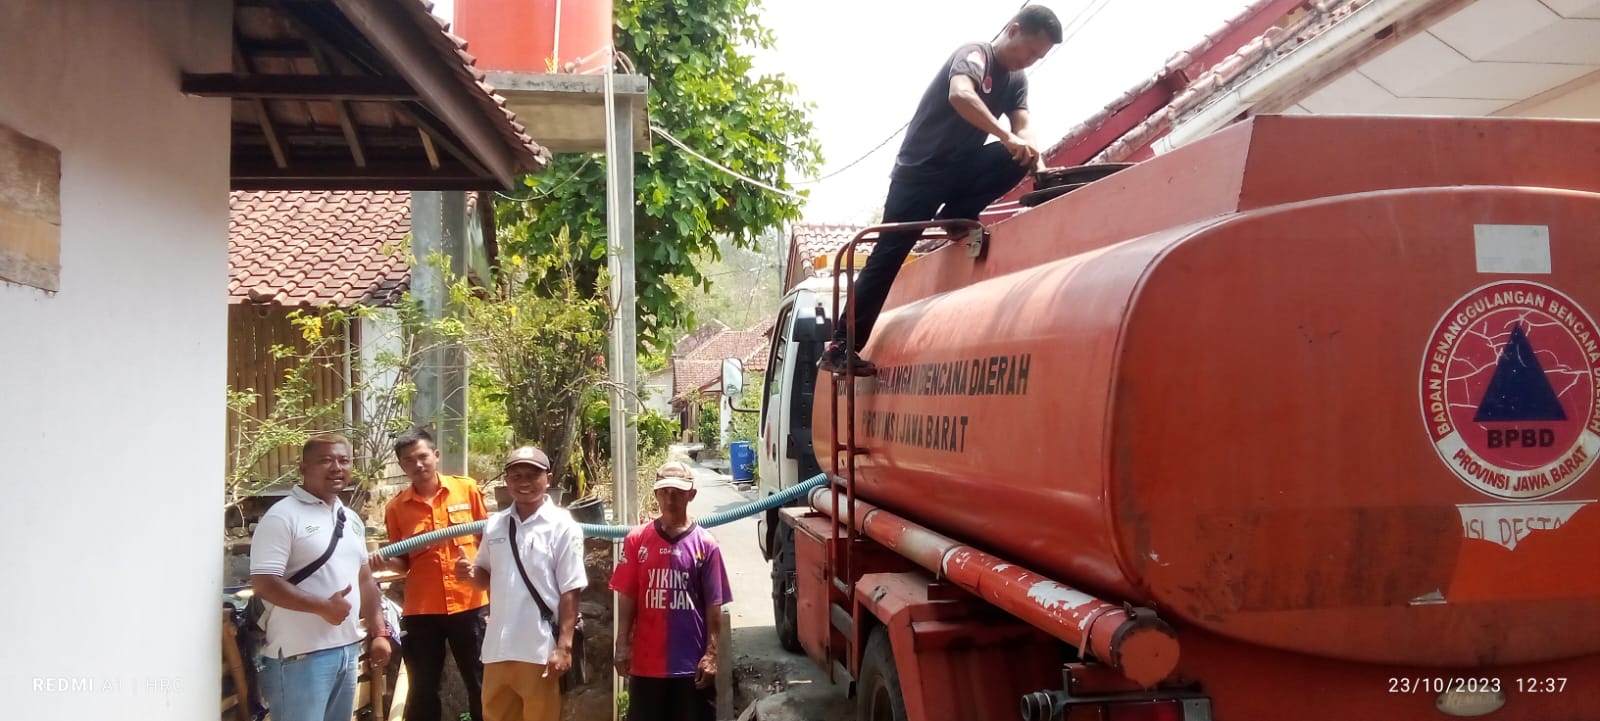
{"x":743,"y":459}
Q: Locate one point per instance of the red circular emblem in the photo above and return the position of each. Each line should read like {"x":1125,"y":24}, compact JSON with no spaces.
{"x":1509,"y":390}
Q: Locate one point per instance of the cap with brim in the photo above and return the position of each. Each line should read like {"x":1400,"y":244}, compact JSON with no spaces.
{"x":674,"y":475}
{"x":530,"y":456}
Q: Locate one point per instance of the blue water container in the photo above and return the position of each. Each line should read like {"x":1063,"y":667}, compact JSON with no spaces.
{"x":743,"y":459}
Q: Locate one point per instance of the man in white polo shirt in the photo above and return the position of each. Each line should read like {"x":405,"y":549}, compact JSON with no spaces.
{"x":526,"y":650}
{"x":308,"y":665}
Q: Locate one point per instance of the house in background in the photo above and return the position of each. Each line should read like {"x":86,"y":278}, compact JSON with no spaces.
{"x":123,"y":126}
{"x":658,"y":388}
{"x":301,"y":252}
{"x":697,"y":372}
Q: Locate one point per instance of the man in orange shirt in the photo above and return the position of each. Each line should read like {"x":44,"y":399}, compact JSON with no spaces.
{"x":440,"y":606}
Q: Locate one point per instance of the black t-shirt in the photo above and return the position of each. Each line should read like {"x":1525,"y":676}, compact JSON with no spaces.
{"x":937,"y":133}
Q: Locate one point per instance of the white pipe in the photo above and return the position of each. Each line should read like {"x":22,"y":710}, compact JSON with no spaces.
{"x":1344,"y":37}
{"x":555,"y":47}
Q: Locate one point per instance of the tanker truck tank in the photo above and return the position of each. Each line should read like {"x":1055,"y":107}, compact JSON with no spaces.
{"x":1329,"y":386}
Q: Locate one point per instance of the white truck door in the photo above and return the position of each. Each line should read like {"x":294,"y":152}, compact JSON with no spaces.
{"x":777,"y":470}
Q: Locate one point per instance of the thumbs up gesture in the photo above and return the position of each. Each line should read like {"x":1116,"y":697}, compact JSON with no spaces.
{"x":336,"y":608}
{"x":463,"y":564}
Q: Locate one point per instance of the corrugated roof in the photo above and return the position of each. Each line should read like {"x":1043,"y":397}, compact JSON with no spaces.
{"x":312,"y":248}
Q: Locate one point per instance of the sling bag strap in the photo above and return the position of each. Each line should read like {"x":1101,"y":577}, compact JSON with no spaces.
{"x":256,"y":610}
{"x":305,"y":573}
{"x":516,"y":554}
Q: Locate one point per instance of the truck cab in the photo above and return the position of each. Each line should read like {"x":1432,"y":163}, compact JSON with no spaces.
{"x":786,"y":456}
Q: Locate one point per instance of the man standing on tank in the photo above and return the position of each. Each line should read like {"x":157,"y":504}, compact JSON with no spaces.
{"x":944,"y":170}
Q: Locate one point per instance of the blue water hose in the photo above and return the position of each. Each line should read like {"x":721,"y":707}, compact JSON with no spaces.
{"x":593,"y":530}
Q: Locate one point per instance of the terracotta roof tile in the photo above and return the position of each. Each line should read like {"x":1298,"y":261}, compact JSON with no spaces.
{"x":700,"y":335}
{"x":1248,"y":60}
{"x":813,"y":239}
{"x":530,"y":155}
{"x":702,"y":367}
{"x":692,"y":375}
{"x":1258,"y":35}
{"x":339,"y":248}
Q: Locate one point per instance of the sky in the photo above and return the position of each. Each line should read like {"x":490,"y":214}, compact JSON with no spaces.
{"x":863,"y":64}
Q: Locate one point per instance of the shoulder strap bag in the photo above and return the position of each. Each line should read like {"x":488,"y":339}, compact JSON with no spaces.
{"x":578,"y":674}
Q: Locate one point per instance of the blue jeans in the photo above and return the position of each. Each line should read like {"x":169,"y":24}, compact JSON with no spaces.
{"x":316,"y":686}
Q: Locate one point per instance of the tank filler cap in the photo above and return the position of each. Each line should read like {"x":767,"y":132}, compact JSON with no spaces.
{"x":1052,"y":183}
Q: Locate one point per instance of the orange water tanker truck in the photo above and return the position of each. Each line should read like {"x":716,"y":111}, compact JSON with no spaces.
{"x":1298,"y":421}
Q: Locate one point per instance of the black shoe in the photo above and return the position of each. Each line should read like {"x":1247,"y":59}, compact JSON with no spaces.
{"x":837,"y":361}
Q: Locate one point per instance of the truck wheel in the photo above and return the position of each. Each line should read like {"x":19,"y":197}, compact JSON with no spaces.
{"x":785,"y":596}
{"x":878,"y":696}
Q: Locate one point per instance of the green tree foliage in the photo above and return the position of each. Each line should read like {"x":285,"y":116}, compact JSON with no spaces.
{"x":538,"y":346}
{"x":703,"y":91}
{"x":298,"y":411}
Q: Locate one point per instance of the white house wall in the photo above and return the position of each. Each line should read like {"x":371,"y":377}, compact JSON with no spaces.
{"x":111,"y":390}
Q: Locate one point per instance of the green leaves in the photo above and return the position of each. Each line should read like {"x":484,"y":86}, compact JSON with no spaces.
{"x":703,"y":92}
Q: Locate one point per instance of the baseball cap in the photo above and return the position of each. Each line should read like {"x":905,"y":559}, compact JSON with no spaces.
{"x":674,"y":475}
{"x":528,"y":455}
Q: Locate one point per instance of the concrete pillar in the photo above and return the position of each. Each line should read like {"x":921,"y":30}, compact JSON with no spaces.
{"x":439,"y":243}
{"x":624,"y":328}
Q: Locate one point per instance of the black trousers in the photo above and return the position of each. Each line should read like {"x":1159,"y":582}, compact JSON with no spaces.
{"x":670,"y":699}
{"x":967,"y":186}
{"x":423,"y":651}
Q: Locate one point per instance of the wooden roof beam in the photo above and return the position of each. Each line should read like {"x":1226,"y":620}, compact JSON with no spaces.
{"x":348,"y":126}
{"x":260,"y":174}
{"x":412,"y":55}
{"x":312,"y":33}
{"x":274,"y":48}
{"x":296,"y":87}
{"x":263,"y":118}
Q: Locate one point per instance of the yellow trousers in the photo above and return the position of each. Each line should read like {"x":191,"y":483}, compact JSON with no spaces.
{"x":517,"y":691}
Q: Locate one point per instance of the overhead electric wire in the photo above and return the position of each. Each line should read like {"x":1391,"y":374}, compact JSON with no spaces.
{"x":719,"y":166}
{"x":1077,"y":23}
{"x":542,"y":194}
{"x":902,"y":128}
{"x":858,"y":160}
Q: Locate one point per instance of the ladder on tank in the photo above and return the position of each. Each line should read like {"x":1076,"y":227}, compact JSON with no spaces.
{"x":842,"y":480}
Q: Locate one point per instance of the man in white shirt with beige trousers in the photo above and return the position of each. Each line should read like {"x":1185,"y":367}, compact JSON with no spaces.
{"x":524,"y":656}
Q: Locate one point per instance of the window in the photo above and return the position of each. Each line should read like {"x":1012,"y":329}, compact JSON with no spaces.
{"x":775,"y":361}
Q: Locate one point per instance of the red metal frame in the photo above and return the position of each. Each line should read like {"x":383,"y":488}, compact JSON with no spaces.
{"x":957,"y":659}
{"x":846,"y":258}
{"x":1134,"y":641}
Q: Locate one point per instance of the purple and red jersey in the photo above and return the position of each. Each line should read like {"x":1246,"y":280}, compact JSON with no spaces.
{"x":671,"y":581}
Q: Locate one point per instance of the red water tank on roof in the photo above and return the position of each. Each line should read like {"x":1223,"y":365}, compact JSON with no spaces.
{"x":537,"y":36}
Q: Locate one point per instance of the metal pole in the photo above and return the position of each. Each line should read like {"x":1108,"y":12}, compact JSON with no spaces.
{"x":624,"y":333}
